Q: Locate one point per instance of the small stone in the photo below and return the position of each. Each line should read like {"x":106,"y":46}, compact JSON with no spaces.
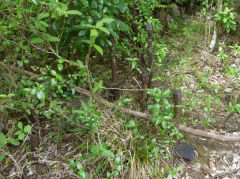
{"x":176,"y":10}
{"x":228,"y":90}
{"x":186,"y":151}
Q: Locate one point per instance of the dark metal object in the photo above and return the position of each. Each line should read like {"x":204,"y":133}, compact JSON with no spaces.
{"x":186,"y":151}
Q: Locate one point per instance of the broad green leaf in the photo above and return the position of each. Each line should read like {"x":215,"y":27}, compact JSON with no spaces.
{"x":60,"y":67}
{"x":20,"y":63}
{"x":59,"y":77}
{"x":168,"y":107}
{"x":88,"y":25}
{"x":79,"y":166}
{"x":81,"y":33}
{"x":133,"y":65}
{"x":131,"y":124}
{"x":167,"y":118}
{"x":118,"y":160}
{"x":96,"y":88}
{"x":11,"y":95}
{"x":2,"y":157}
{"x":122,"y":7}
{"x":71,"y":62}
{"x":94,"y":4}
{"x":28,"y":111}
{"x":93,"y":33}
{"x":165,"y":101}
{"x":96,"y":150}
{"x":115,"y":1}
{"x":85,"y":3}
{"x":36,"y":40}
{"x":98,"y":48}
{"x":40,"y":95}
{"x":33,"y":91}
{"x":73,"y":91}
{"x":167,"y":93}
{"x":36,"y":111}
{"x":82,"y":174}
{"x":4,"y":96}
{"x":119,"y":168}
{"x":104,"y":29}
{"x":225,"y":19}
{"x":107,"y":153}
{"x":80,"y":157}
{"x":84,"y":106}
{"x":169,"y":176}
{"x":61,"y":60}
{"x":79,"y":62}
{"x":39,"y":26}
{"x":55,"y":26}
{"x":13,"y":142}
{"x":122,"y":25}
{"x":43,"y":23}
{"x":74,"y":12}
{"x":94,"y":13}
{"x":87,"y":42}
{"x":43,"y":15}
{"x":18,"y":132}
{"x":20,"y":125}
{"x":156,"y":108}
{"x":127,"y":100}
{"x":3,"y":140}
{"x":106,"y":20}
{"x":53,"y":72}
{"x":34,"y":1}
{"x":27,"y":129}
{"x":164,"y":125}
{"x":51,"y":38}
{"x":21,"y":136}
{"x":105,"y":9}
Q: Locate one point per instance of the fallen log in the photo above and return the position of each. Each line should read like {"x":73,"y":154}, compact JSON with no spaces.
{"x":196,"y":132}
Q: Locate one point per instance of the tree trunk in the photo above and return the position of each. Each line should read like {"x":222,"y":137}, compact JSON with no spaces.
{"x":216,"y":26}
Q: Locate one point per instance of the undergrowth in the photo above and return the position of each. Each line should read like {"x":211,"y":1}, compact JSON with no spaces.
{"x":65,"y":44}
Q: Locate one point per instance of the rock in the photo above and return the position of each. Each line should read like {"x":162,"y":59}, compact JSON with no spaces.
{"x":209,"y":59}
{"x":186,"y":151}
{"x":228,"y":90}
{"x":176,"y":12}
{"x":161,"y":14}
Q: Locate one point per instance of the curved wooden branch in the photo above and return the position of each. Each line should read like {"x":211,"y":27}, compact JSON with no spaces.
{"x":19,"y":70}
{"x":137,"y":114}
{"x":210,"y":135}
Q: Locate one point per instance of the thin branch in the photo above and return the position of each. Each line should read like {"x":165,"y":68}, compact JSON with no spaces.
{"x":137,"y":83}
{"x":227,"y":173}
